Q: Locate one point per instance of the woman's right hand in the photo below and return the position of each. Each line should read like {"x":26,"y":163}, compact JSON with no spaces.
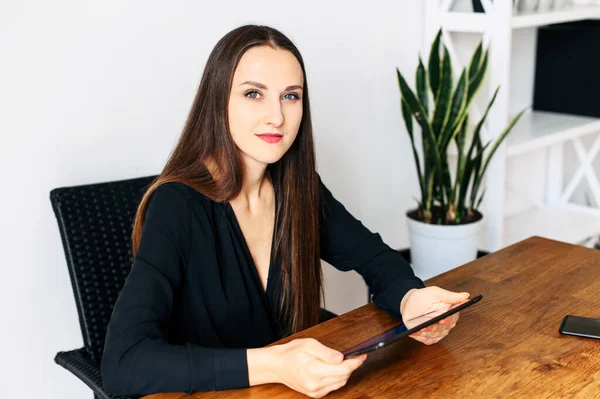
{"x":313,"y":369}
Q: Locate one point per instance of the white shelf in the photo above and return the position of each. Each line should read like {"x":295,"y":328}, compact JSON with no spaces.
{"x":537,"y":129}
{"x":574,"y":13}
{"x":567,"y":223}
{"x":477,"y":22}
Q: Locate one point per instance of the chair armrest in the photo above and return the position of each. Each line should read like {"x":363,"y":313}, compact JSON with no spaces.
{"x":325,"y":315}
{"x":87,"y":370}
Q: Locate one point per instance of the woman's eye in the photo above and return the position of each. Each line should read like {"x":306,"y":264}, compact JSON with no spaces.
{"x":294,"y":96}
{"x":252,"y":94}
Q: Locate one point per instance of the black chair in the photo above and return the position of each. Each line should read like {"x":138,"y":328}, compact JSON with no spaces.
{"x":95,"y":223}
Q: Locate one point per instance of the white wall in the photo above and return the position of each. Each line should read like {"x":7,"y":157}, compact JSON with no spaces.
{"x":98,"y":91}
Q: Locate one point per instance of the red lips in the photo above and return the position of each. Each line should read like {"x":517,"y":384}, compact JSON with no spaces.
{"x":270,"y":137}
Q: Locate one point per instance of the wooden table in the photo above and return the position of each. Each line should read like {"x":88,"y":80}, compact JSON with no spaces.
{"x":506,"y":346}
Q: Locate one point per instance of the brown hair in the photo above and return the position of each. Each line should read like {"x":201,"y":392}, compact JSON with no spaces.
{"x":206,"y":138}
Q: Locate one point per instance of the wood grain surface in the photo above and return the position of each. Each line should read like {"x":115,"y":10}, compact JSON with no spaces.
{"x":505,"y":346}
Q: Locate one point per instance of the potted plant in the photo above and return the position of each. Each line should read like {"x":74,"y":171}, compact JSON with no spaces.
{"x":443,"y":229}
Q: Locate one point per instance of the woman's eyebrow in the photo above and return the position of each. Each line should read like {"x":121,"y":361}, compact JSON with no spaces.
{"x":262,"y":86}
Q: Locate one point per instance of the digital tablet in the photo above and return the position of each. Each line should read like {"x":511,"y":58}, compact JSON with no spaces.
{"x":406,"y":328}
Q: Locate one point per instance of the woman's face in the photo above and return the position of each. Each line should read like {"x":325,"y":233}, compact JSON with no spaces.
{"x":265,"y":104}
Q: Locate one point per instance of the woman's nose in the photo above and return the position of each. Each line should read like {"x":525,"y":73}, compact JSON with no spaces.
{"x":274,"y":114}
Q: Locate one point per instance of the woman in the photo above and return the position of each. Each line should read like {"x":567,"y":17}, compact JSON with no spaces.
{"x":228,"y":242}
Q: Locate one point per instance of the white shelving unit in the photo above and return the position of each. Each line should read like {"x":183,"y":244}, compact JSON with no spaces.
{"x":478,"y":22}
{"x":555,"y":217}
{"x":538,"y":129}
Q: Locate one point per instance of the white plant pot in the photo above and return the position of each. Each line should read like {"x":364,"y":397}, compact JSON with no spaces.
{"x":435,"y":249}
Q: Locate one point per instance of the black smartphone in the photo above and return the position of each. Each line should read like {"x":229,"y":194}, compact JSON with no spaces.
{"x":406,"y":328}
{"x":580,"y":326}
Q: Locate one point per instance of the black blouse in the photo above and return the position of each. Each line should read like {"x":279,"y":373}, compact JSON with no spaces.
{"x":193,"y":301}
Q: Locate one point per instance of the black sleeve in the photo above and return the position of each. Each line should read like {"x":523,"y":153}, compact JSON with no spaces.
{"x":348,"y":245}
{"x":138,"y":359}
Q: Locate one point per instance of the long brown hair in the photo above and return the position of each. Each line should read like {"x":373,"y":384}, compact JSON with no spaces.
{"x":206,"y":136}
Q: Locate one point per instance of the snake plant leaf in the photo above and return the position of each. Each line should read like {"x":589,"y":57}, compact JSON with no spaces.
{"x":442,"y":188}
{"x":476,"y":207}
{"x":429,"y":202}
{"x":463,"y":186}
{"x":472,"y":73}
{"x":497,"y":143}
{"x":417,"y":110}
{"x":408,"y":118}
{"x":476,"y":168}
{"x":458,"y":108}
{"x":475,"y":83}
{"x":412,"y":102}
{"x":408,"y":121}
{"x":459,"y":140}
{"x":427,"y":164}
{"x":477,"y":131}
{"x":442,"y":103}
{"x":461,"y":168}
{"x":462,"y":157}
{"x":407,"y":115}
{"x":434,"y":64}
{"x":421,"y":80}
{"x":447,"y":182}
{"x":475,"y":64}
{"x":457,"y":111}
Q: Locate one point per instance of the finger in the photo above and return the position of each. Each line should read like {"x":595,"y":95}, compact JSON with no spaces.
{"x":345,"y":368}
{"x":432,"y":333}
{"x":430,"y":336}
{"x":334,"y":380}
{"x":422,"y":340}
{"x":321,"y":352}
{"x":435,"y":327}
{"x":444,"y":324}
{"x":426,"y":340}
{"x":451,"y":319}
{"x":436,"y":339}
{"x":451,"y":297}
{"x":354,"y":365}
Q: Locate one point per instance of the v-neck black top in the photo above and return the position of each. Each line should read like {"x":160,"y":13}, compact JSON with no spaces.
{"x":193,"y":301}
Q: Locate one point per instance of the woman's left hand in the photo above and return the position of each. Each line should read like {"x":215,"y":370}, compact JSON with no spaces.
{"x":419,"y":301}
